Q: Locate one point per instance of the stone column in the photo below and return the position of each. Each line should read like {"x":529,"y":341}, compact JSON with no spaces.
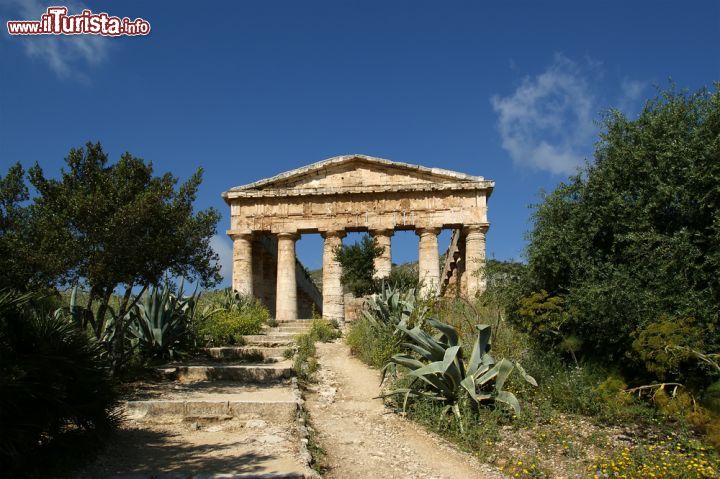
{"x":242,"y":272}
{"x":474,"y":276}
{"x":286,"y":297}
{"x":429,"y":261}
{"x":332,"y":290}
{"x":383,"y":263}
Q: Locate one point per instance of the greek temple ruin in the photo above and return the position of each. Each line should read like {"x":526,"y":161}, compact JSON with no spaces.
{"x":354,"y":193}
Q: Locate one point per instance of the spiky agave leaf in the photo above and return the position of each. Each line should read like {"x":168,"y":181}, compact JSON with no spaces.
{"x":439,"y":371}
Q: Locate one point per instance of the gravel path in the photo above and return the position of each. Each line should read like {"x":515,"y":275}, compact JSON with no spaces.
{"x":364,"y":439}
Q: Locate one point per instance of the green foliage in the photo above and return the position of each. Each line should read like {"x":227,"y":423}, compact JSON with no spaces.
{"x":305,"y":364}
{"x":118,"y":224}
{"x":230,"y":300}
{"x":711,"y":398}
{"x":108,"y":226}
{"x":404,"y":277}
{"x":637,"y":234}
{"x":395,"y":307}
{"x":440,"y":372}
{"x":229,"y":315}
{"x":226,"y":327}
{"x":357,"y":262}
{"x":541,"y":315}
{"x":162,"y":323}
{"x":52,"y":380}
{"x":662,"y":345}
{"x":505,"y":284}
{"x":13,"y":231}
{"x":323,"y":331}
{"x":672,"y":457}
{"x":373,"y":344}
{"x":304,"y":352}
{"x":374,"y":337}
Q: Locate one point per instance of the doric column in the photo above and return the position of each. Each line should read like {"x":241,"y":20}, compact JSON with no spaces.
{"x":383,"y":263}
{"x":286,"y":297}
{"x":332,"y":290}
{"x":475,"y":259}
{"x":429,"y":261}
{"x":242,"y":266}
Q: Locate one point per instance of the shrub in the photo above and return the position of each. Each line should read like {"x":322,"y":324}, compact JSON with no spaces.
{"x":357,"y":262}
{"x":162,"y":323}
{"x":305,"y":363}
{"x":323,"y":331}
{"x":665,"y":345}
{"x":372,"y":343}
{"x":711,"y":397}
{"x":636,"y":233}
{"x":440,"y":372}
{"x":229,"y":326}
{"x":374,"y":337}
{"x":395,"y":307}
{"x":403,"y":277}
{"x":542,"y":315}
{"x":672,"y":457}
{"x":52,"y":381}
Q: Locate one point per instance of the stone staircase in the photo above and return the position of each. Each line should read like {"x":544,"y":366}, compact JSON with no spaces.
{"x":453,"y":267}
{"x":234,"y":414}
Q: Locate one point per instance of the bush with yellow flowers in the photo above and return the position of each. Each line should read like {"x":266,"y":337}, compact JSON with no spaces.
{"x":523,"y":468}
{"x":672,"y":457}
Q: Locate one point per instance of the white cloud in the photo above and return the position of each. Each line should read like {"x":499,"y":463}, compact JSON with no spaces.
{"x":63,"y":54}
{"x":223,"y":247}
{"x":631,"y":92}
{"x":547,"y":123}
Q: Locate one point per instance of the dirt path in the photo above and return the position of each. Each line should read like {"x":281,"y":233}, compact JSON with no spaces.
{"x":365,"y":440}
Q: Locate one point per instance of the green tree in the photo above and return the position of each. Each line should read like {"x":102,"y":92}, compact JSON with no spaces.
{"x":635,"y":236}
{"x":116,"y":227}
{"x":13,"y":222}
{"x":357,"y":261}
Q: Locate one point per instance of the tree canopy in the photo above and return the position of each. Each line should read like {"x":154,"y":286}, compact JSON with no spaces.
{"x":118,"y":224}
{"x":634,"y":238}
{"x":357,"y":261}
{"x":104,"y":226}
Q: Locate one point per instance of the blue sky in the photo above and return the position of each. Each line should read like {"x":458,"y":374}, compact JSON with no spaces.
{"x":507,"y":90}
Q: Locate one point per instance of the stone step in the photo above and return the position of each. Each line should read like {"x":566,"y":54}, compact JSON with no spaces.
{"x":210,"y":410}
{"x":252,"y":373}
{"x":289,"y":329}
{"x":268,"y":340}
{"x":252,"y":353}
{"x":273,"y":403}
{"x":230,"y":475}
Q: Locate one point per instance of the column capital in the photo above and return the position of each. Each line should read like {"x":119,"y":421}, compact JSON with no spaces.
{"x":476,"y":229}
{"x":424,"y":231}
{"x":236,"y":234}
{"x":382,"y":232}
{"x":333,"y":234}
{"x":292,"y":236}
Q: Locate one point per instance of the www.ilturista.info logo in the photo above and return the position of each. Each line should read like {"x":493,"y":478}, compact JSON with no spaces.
{"x":56,"y":21}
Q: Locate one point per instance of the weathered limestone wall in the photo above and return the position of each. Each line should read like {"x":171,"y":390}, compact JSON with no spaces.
{"x":359,"y":211}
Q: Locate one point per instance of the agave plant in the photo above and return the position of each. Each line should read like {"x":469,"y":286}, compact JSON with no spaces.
{"x":231,"y":300}
{"x":394,"y":308}
{"x":102,"y":325}
{"x":439,"y":371}
{"x":161,"y":321}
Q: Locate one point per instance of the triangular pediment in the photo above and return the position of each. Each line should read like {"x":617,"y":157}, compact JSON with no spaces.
{"x":353,"y":171}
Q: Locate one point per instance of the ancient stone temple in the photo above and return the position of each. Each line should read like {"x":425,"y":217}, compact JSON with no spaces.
{"x":354,"y":193}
